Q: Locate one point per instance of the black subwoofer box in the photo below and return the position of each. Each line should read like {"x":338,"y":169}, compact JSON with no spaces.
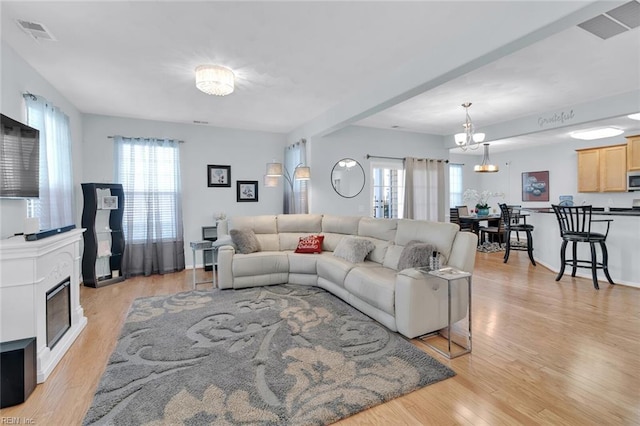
{"x":17,"y":371}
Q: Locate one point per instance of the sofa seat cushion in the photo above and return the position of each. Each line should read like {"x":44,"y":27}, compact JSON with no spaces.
{"x":302,"y":263}
{"x":333,"y":268}
{"x":260,"y":263}
{"x":374,"y":285}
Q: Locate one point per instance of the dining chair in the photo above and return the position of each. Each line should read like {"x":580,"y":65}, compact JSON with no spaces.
{"x":463,"y":210}
{"x":455,"y":218}
{"x":494,"y":230}
{"x":575,"y":227}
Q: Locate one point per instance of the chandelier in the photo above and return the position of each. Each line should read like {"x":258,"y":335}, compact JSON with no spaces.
{"x":486,"y":166}
{"x":469,"y":139}
{"x":215,"y":80}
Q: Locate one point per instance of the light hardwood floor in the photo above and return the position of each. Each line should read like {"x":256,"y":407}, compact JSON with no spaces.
{"x":544,"y":352}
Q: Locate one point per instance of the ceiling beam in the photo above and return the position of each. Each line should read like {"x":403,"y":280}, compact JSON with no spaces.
{"x":458,"y":56}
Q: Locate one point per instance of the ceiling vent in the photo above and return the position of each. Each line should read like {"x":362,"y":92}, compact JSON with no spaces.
{"x":35,"y":30}
{"x":616,"y":21}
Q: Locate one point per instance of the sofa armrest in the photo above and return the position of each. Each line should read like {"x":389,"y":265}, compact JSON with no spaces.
{"x":421,"y":302}
{"x":463,"y":252}
{"x":225,"y":264}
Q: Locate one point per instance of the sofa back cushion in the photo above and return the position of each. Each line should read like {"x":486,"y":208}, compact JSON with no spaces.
{"x":382,"y":229}
{"x":292,"y":227}
{"x":439,"y":234}
{"x":381,"y":232}
{"x":334,"y":228}
{"x":300,"y":223}
{"x":265,"y":227}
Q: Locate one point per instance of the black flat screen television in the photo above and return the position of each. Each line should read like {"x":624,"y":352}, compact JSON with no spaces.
{"x":19,"y":160}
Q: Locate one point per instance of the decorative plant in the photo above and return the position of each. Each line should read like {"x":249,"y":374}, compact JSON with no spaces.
{"x":480,"y":198}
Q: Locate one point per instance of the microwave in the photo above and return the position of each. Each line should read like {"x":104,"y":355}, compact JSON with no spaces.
{"x":633,"y":181}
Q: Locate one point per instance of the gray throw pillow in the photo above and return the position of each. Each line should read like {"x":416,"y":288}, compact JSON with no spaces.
{"x":353,"y":249}
{"x":415,"y":254}
{"x":245,"y":240}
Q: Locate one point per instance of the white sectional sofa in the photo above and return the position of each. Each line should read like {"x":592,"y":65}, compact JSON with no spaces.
{"x":407,"y":301}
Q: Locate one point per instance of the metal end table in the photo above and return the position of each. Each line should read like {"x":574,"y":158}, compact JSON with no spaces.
{"x":453,"y":277}
{"x":204,"y":245}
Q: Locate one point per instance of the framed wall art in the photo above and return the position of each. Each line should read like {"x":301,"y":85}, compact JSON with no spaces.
{"x":218,"y":176}
{"x":247,"y":190}
{"x":535,"y":186}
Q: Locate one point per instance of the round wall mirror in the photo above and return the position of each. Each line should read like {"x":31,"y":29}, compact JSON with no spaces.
{"x":347,"y":178}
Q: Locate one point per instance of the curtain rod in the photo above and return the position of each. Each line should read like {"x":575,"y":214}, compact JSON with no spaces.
{"x":397,"y":158}
{"x":111,"y":137}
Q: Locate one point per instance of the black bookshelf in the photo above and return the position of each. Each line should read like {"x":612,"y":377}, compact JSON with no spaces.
{"x":104,"y":243}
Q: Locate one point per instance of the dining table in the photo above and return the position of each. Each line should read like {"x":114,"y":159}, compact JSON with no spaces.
{"x":492,"y":220}
{"x":474,"y":221}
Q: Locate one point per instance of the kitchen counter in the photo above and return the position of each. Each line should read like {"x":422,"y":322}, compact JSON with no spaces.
{"x":615,"y":211}
{"x":622,"y":245}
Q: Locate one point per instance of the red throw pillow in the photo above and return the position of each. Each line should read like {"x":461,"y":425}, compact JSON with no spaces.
{"x":310,"y":244}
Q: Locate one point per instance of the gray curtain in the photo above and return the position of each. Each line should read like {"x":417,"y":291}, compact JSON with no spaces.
{"x":298,"y":200}
{"x":424,"y":189}
{"x":149,"y":171}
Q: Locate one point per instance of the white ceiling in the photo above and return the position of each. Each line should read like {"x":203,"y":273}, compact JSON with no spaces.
{"x":318,"y":65}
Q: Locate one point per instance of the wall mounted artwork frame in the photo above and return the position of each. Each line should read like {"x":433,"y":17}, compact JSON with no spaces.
{"x":218,"y":176}
{"x":535,"y":186}
{"x":246,"y":191}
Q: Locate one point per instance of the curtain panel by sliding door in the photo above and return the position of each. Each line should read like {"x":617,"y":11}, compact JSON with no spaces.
{"x":149,"y":171}
{"x":424,"y":189}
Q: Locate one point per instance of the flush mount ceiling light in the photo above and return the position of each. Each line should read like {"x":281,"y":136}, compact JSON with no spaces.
{"x":589,"y":135}
{"x":635,"y":116}
{"x":469,"y":139}
{"x":486,"y":166}
{"x":215,"y":80}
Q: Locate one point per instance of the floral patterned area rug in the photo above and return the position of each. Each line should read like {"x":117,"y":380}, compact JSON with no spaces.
{"x":271,"y":355}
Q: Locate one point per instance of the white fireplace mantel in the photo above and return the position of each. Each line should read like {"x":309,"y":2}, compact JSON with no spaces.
{"x":28,"y":269}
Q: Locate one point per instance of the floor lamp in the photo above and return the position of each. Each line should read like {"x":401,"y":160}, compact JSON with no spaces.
{"x":275,"y":170}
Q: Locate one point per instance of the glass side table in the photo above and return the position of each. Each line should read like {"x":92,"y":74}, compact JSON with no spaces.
{"x":455,"y":339}
{"x":205,"y":246}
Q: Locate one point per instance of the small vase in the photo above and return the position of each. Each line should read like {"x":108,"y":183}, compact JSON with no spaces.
{"x":483,"y":212}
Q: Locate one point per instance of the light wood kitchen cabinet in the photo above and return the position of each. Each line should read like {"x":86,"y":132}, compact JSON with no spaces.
{"x":589,"y":170}
{"x":602,"y":169}
{"x":633,"y":153}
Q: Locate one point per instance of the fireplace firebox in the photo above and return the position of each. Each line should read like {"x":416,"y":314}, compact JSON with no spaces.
{"x":58,"y":311}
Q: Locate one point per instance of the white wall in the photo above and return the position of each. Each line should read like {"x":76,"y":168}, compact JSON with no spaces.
{"x":247,"y":152}
{"x":19,"y":77}
{"x":560,"y":159}
{"x":356,"y":142}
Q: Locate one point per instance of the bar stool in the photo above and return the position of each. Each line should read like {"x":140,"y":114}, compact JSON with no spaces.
{"x":575,"y":227}
{"x":511,"y":219}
